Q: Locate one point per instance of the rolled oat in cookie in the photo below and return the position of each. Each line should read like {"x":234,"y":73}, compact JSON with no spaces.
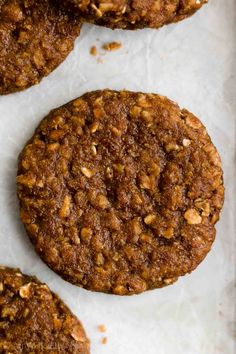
{"x":35,"y":37}
{"x":35,"y":320}
{"x":133,"y":14}
{"x":120,"y":191}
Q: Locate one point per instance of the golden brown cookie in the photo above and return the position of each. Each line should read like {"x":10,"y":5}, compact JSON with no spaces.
{"x":135,"y":14}
{"x":35,"y":37}
{"x":35,"y":320}
{"x":120,"y":191}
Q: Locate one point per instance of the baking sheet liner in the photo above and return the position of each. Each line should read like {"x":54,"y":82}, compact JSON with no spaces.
{"x":192,"y":63}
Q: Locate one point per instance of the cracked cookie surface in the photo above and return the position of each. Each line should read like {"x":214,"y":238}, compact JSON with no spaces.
{"x":35,"y":320}
{"x":133,"y":14}
{"x":35,"y":37}
{"x":120,"y":191}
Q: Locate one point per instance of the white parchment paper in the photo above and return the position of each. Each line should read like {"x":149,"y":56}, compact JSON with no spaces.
{"x":192,"y":63}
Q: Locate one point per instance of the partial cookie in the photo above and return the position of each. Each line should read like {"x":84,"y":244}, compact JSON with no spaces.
{"x":35,"y":37}
{"x":136,"y":13}
{"x":120,"y":191}
{"x":35,"y":320}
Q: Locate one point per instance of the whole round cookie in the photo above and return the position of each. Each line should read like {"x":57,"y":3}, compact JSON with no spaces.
{"x":135,"y":14}
{"x":35,"y":320}
{"x":35,"y":37}
{"x":120,"y":191}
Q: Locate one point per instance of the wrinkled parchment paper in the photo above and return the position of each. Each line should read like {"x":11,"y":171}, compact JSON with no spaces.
{"x":192,"y":63}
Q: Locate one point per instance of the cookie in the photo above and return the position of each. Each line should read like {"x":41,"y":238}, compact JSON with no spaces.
{"x":35,"y":37}
{"x":135,"y":14}
{"x":120,"y":191}
{"x":35,"y":320}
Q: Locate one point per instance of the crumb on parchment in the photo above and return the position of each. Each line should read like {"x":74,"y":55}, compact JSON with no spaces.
{"x":102,"y":328}
{"x":112,"y":46}
{"x":108,"y":47}
{"x":93,"y":50}
{"x":104,"y":340}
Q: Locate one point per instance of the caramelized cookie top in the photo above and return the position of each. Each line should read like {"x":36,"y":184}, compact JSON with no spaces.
{"x":35,"y":37}
{"x":135,"y":14}
{"x":35,"y":320}
{"x":120,"y":191}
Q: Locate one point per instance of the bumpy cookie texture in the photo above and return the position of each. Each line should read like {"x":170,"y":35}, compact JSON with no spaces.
{"x":120,"y":191}
{"x":35,"y":37}
{"x":132,"y":14}
{"x":34,"y":320}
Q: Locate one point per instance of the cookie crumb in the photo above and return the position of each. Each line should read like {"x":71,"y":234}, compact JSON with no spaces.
{"x":93,"y":50}
{"x":102,"y":328}
{"x":104,"y":340}
{"x":112,"y":46}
